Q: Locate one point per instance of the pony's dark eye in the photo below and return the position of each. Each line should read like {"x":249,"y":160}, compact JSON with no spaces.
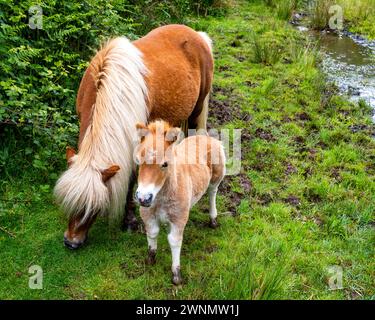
{"x":165,"y":164}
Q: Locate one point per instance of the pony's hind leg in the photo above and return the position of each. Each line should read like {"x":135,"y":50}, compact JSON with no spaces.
{"x":198,"y":119}
{"x":202,"y":118}
{"x":218,"y":173}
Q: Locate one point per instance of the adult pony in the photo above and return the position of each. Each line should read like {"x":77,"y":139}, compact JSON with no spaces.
{"x":168,"y":75}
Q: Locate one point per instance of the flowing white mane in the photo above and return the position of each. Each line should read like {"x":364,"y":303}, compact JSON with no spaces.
{"x":109,"y":139}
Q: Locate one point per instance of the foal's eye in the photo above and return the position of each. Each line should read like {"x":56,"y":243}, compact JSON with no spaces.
{"x":165,"y":164}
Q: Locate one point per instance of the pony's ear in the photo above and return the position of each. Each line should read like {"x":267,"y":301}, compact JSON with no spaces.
{"x":174,"y":135}
{"x":142,"y":130}
{"x":109,"y":172}
{"x":70,"y":153}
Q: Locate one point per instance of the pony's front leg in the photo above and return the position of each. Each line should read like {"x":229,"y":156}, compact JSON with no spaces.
{"x":152,"y":231}
{"x":130,"y":221}
{"x":175,"y":241}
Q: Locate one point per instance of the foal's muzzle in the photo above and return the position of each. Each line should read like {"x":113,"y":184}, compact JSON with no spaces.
{"x":145,"y":200}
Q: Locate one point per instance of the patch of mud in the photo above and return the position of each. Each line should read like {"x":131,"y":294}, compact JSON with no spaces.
{"x":290,"y":169}
{"x":293,"y":200}
{"x":313,"y":197}
{"x":225,"y":111}
{"x":234,"y":198}
{"x":224,"y":68}
{"x":212,"y":248}
{"x":299,"y":141}
{"x":241,"y":58}
{"x":336,"y":174}
{"x":251,"y":84}
{"x":355,"y":128}
{"x":303,"y":116}
{"x":224,"y":91}
{"x":264,"y":134}
{"x":264,"y":199}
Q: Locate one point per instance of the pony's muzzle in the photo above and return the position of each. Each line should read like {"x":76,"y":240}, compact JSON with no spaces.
{"x":145,"y":200}
{"x":73,"y":245}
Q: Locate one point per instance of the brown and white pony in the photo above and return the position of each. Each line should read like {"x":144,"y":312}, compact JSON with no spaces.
{"x":167,"y":74}
{"x":173,"y":175}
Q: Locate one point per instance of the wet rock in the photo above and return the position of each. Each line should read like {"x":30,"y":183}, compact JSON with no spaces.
{"x":353,"y":91}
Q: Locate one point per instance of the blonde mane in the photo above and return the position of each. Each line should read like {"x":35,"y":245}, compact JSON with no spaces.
{"x":109,"y":139}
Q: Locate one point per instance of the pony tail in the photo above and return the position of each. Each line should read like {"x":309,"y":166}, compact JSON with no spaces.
{"x":206,"y":39}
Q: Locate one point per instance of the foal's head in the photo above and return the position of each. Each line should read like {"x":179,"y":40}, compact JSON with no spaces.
{"x":153,"y":157}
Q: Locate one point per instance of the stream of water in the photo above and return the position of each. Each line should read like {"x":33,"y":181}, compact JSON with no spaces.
{"x":349,"y":62}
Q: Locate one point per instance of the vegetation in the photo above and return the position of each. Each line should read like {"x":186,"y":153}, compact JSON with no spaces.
{"x":303,"y":202}
{"x":41,"y":68}
{"x":284,"y":8}
{"x":360,"y":15}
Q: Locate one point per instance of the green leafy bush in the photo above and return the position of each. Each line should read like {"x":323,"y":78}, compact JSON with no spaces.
{"x":40,"y":69}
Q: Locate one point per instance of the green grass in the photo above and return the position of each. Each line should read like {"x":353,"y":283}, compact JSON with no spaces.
{"x":304,"y":201}
{"x":359,"y":15}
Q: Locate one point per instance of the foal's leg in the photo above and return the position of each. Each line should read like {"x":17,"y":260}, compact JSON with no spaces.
{"x":152,"y":230}
{"x":212,"y":191}
{"x":175,"y":241}
{"x":130,"y":221}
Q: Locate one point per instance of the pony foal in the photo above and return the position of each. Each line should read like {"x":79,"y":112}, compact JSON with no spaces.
{"x":173,"y":175}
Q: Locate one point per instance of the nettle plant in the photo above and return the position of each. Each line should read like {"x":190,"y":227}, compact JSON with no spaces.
{"x":41,"y":68}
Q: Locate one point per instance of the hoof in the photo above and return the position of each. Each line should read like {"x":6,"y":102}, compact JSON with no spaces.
{"x":176,"y":277}
{"x":131,"y":226}
{"x":213,"y":223}
{"x":151,"y":258}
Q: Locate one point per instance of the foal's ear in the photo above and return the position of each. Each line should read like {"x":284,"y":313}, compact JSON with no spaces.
{"x":109,"y":172}
{"x":142,"y":130}
{"x":174,"y":135}
{"x":70,"y":153}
